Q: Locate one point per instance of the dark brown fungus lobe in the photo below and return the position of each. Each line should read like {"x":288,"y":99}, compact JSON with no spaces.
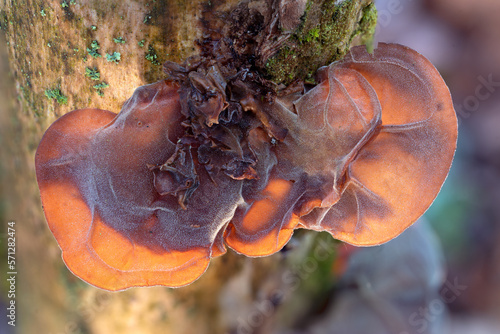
{"x":214,"y":155}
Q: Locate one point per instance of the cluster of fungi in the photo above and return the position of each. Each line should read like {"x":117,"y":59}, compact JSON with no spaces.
{"x":217,"y":156}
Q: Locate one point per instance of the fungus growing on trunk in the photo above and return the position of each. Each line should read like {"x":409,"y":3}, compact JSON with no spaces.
{"x":216,"y":155}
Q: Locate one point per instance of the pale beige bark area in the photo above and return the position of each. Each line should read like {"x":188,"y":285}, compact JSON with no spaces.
{"x":47,"y":41}
{"x":49,"y":44}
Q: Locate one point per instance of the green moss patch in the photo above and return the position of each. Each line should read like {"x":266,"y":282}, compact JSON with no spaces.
{"x":56,"y":94}
{"x":114,"y":57}
{"x":92,"y":73}
{"x":100,"y":88}
{"x":93,"y":50}
{"x":119,"y":40}
{"x":324,"y":36}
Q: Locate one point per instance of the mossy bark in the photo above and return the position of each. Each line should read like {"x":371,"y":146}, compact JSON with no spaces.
{"x":57,"y":51}
{"x":326,"y":32}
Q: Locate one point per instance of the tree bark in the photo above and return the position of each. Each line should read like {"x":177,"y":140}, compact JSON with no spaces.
{"x":62,"y":56}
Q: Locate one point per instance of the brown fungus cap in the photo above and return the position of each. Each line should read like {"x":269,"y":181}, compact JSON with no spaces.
{"x":149,"y":196}
{"x":366,"y":153}
{"x":99,"y":196}
{"x":395,"y":176}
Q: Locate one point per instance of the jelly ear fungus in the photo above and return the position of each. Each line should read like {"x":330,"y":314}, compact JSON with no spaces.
{"x":217,"y":155}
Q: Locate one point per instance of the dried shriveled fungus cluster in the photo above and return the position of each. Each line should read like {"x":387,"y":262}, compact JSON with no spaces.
{"x":217,"y":156}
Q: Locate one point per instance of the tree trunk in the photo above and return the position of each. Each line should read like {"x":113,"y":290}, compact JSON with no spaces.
{"x":72,"y":54}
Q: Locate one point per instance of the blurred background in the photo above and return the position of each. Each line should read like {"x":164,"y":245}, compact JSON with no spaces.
{"x":441,"y":276}
{"x":461,"y":38}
